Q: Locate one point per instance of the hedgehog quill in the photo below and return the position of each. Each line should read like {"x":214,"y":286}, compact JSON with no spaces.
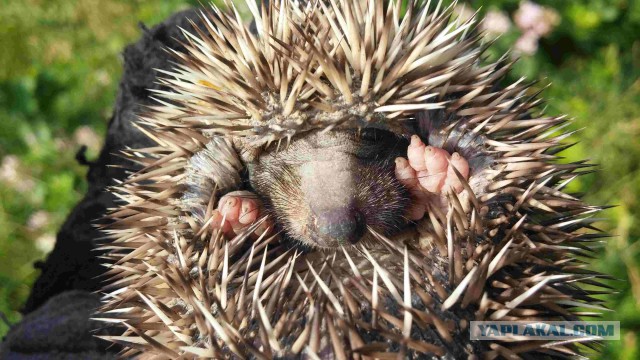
{"x":349,"y":180}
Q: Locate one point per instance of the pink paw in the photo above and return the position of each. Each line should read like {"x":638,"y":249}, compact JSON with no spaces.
{"x":236,"y":211}
{"x":429,"y":170}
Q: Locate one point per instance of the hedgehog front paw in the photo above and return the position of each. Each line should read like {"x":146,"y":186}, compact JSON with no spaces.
{"x":429,"y":170}
{"x":236,"y":211}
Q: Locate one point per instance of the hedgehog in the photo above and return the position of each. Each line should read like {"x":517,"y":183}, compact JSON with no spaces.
{"x":345,"y":179}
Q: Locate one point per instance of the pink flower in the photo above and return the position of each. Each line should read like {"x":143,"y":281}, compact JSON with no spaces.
{"x":538,"y":19}
{"x":38,"y":220}
{"x":535,"y":21}
{"x":527,"y":43}
{"x":495,"y":23}
{"x":12,"y":174}
{"x":527,"y":15}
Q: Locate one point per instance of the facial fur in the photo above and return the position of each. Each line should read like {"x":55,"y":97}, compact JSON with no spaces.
{"x":325,"y":189}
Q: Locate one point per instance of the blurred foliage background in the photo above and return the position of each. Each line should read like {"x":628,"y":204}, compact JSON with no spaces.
{"x":61,"y":61}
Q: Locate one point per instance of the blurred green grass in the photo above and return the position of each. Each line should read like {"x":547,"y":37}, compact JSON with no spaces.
{"x":59,"y":72}
{"x":61,"y":64}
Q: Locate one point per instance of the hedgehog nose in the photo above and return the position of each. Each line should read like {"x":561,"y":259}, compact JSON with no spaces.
{"x":342,"y":225}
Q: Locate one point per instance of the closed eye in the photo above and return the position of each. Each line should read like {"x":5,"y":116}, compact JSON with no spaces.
{"x":374,"y":135}
{"x":378,"y":144}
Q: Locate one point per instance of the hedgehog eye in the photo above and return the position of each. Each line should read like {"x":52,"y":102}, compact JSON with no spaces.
{"x":377,"y":144}
{"x":374,"y":135}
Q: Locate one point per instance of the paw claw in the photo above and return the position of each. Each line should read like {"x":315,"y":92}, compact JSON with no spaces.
{"x":406,"y":174}
{"x":429,"y":169}
{"x":436,"y":160}
{"x":236,"y":210}
{"x":230,"y":207}
{"x":415,"y":154}
{"x":460,"y":164}
{"x":248,"y":212}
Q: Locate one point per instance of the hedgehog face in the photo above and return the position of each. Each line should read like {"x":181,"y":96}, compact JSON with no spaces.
{"x":325,"y":189}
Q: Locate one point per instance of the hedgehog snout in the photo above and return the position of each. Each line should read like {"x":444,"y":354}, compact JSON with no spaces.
{"x":342,"y":224}
{"x":329,"y":187}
